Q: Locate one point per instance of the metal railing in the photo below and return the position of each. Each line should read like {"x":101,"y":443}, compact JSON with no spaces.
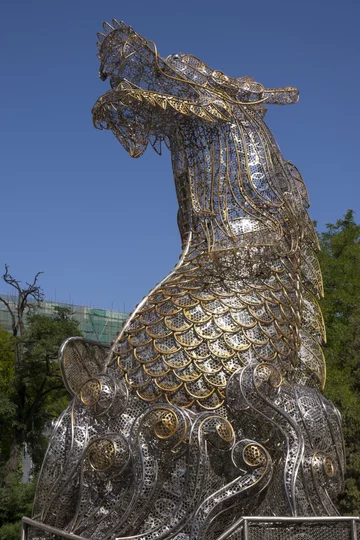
{"x":27,"y":522}
{"x":245,"y":528}
{"x":270,"y":527}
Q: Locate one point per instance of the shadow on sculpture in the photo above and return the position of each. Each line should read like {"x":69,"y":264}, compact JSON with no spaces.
{"x":208,"y":406}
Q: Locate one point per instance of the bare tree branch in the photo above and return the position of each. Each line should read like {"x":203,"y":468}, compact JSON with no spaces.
{"x":7,"y":277}
{"x":32,"y":290}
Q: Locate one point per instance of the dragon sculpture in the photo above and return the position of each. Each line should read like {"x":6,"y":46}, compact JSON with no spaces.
{"x":208,"y":405}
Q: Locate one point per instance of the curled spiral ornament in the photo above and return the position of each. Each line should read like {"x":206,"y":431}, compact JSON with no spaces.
{"x":254,"y":455}
{"x":102,"y":454}
{"x":109,"y":455}
{"x":90,"y":392}
{"x":104,"y":395}
{"x":329,"y":466}
{"x":167,"y":425}
{"x":218,"y":432}
{"x":266,"y":373}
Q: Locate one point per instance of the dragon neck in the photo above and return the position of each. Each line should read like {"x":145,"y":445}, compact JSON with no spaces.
{"x":229,"y":207}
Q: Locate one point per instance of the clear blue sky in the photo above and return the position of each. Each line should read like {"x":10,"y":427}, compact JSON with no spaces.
{"x":102,"y":226}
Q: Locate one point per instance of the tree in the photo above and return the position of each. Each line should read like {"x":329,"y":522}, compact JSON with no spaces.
{"x":46,"y":395}
{"x":16,"y":500}
{"x":7,"y":372}
{"x":33,"y":392}
{"x":340,"y":262}
{"x":18,"y":313}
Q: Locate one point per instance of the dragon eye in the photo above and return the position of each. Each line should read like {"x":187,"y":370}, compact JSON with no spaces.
{"x":173,"y":57}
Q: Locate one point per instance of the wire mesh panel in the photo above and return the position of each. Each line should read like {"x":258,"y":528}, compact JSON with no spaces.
{"x":300,"y":531}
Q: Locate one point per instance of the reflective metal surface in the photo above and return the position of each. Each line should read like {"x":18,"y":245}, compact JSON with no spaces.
{"x":208,"y":405}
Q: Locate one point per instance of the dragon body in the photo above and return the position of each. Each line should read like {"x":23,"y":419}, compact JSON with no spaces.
{"x":208,"y":405}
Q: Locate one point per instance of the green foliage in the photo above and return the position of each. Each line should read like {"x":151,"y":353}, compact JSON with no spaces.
{"x":32,"y":392}
{"x":15,"y":501}
{"x":340,"y":263}
{"x":31,"y":395}
{"x":46,"y":396}
{"x":7,"y":372}
{"x":7,"y":368}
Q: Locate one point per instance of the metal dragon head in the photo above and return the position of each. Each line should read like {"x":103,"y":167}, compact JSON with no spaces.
{"x":148,"y":91}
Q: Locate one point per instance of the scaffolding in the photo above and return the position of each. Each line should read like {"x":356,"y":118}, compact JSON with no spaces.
{"x":95,"y":324}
